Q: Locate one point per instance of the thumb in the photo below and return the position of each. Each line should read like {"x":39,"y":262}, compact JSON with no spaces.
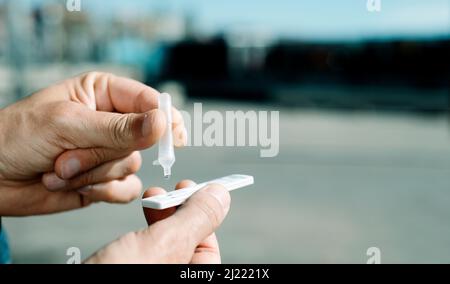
{"x":192,"y":223}
{"x":125,"y":131}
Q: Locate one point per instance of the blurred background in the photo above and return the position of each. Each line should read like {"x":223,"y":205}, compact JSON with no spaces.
{"x":364,"y":129}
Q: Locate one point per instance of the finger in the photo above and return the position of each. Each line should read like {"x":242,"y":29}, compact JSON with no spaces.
{"x":193,"y":222}
{"x":118,"y":191}
{"x":35,"y":200}
{"x":105,"y":93}
{"x":180,"y":136}
{"x":152,"y":216}
{"x":136,"y":131}
{"x":184,"y":184}
{"x":110,"y":171}
{"x":118,"y":94}
{"x":75,"y":162}
{"x":85,"y":128}
{"x":177,"y":118}
{"x":207,"y":252}
{"x":124,"y":95}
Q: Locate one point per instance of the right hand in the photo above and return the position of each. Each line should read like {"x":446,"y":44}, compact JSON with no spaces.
{"x":175,"y":236}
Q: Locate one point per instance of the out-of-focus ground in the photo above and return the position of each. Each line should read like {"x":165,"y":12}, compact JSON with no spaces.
{"x":343,"y":182}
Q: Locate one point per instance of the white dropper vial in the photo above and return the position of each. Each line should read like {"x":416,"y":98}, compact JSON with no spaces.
{"x":166,"y":155}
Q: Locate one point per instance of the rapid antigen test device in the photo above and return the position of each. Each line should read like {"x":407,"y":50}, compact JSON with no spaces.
{"x":178,"y":197}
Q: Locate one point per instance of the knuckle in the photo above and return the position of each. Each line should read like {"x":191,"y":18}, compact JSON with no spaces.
{"x":98,"y":156}
{"x":98,"y":78}
{"x":60,"y":111}
{"x":104,"y":75}
{"x":86,"y":80}
{"x":178,"y":246}
{"x":118,"y":129}
{"x":151,"y":241}
{"x":210,"y":212}
{"x":130,"y":243}
{"x":86,"y":179}
{"x":60,"y":116}
{"x":96,"y":75}
{"x":90,"y":74}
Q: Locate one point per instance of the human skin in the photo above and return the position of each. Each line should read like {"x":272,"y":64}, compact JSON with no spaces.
{"x":174,"y":236}
{"x":75,"y":143}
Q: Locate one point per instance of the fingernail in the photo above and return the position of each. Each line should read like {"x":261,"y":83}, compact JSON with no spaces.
{"x":53,"y":182}
{"x":71,"y":168}
{"x":152,"y":122}
{"x":221,"y":194}
{"x":146,"y":126}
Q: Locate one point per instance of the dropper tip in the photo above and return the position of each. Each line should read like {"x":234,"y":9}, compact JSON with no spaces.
{"x":167,"y":173}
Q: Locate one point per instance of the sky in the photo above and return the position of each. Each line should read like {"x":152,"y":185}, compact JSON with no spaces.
{"x":306,"y":19}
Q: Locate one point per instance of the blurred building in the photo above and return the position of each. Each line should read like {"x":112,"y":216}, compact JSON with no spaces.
{"x":43,"y":41}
